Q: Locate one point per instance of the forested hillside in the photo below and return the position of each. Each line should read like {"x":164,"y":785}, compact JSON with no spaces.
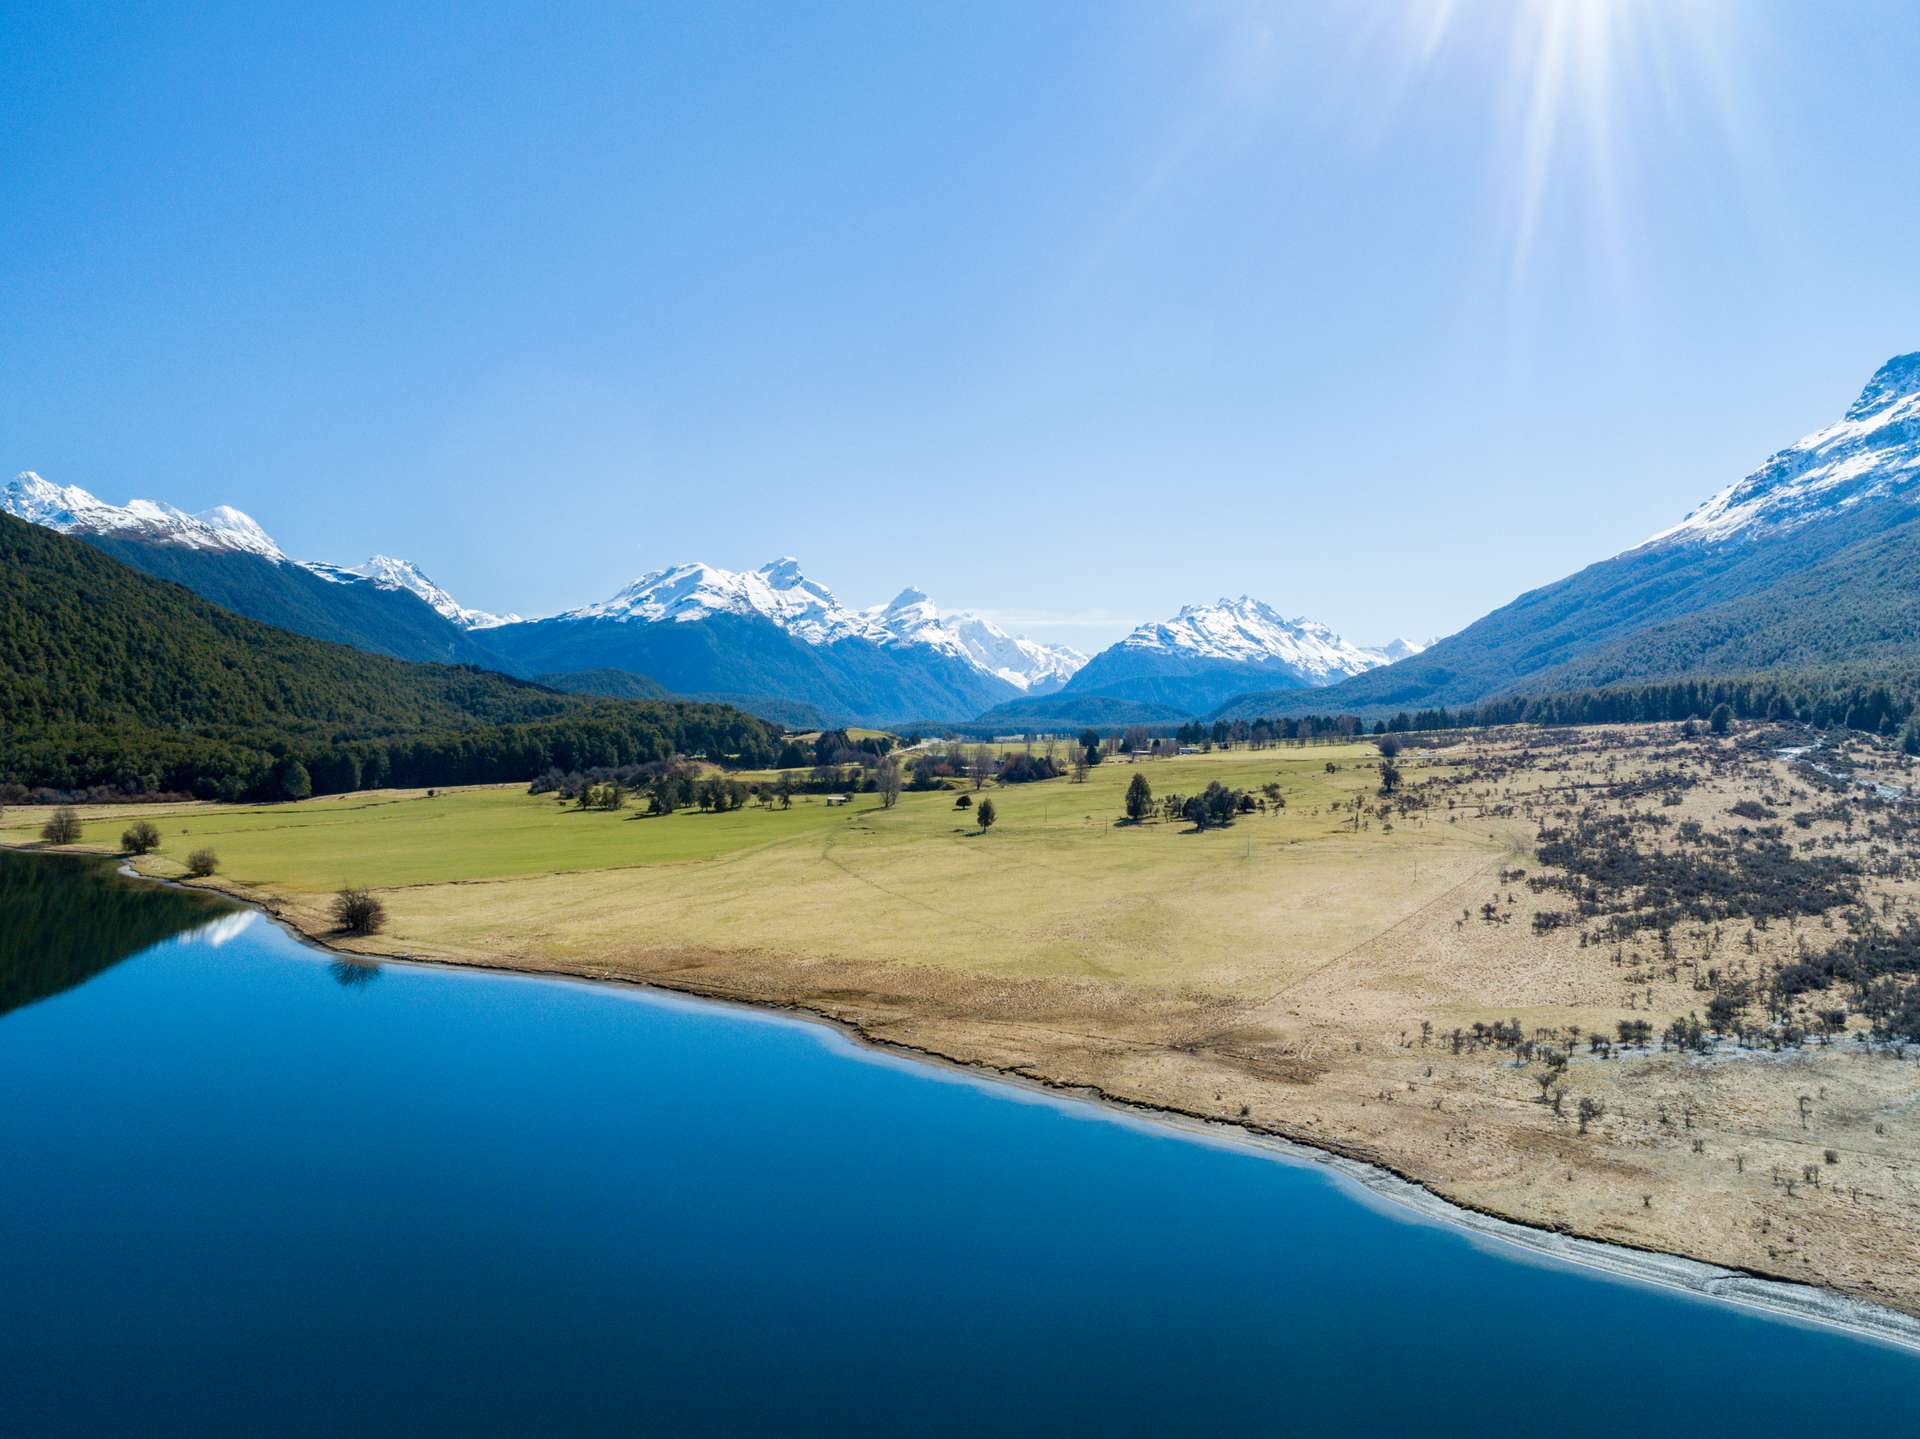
{"x":110,"y":677}
{"x":1847,"y":589}
{"x":291,"y":597}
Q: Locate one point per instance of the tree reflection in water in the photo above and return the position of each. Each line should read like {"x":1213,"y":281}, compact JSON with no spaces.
{"x":352,"y":972}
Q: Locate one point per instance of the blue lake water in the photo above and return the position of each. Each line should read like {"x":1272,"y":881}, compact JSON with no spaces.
{"x":249,"y":1190}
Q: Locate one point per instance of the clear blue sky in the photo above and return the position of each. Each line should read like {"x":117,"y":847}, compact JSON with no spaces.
{"x":1069,"y":312}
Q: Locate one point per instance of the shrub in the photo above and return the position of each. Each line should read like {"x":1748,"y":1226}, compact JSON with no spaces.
{"x":356,"y":911}
{"x":964,"y":802}
{"x":62,"y":827}
{"x":202,"y":862}
{"x":141,"y":837}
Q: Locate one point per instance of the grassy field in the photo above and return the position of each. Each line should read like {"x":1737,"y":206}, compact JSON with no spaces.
{"x":1058,"y":886}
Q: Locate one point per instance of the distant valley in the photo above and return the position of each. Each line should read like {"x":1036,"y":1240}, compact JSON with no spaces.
{"x":1809,"y":561}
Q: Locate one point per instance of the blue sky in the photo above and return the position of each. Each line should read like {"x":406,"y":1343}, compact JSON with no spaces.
{"x":1070,"y":312}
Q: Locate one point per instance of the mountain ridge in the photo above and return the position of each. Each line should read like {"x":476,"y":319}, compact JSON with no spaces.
{"x":1838,"y":504}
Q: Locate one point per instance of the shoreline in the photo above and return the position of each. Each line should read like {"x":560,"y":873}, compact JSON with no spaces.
{"x":1368,"y":1180}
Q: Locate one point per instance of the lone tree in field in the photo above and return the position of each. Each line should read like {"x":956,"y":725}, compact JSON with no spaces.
{"x":985,"y":815}
{"x":1388,"y":746}
{"x":62,"y":827}
{"x":1389,"y":775}
{"x":1139,"y":798}
{"x":141,"y":837}
{"x":1721,"y":719}
{"x":887,"y":777}
{"x":355,"y":911}
{"x":964,"y":802}
{"x":202,"y":862}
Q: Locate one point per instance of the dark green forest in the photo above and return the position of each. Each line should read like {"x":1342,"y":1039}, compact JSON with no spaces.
{"x":109,"y":678}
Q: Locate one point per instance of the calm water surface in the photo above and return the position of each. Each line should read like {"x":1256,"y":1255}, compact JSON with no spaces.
{"x":246,"y":1190}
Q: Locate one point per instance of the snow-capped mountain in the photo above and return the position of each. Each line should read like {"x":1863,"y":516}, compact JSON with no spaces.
{"x":72,"y":510}
{"x":1397,"y":649}
{"x":387,"y":573}
{"x":222,"y":554}
{"x":1246,"y":631}
{"x":780,"y":592}
{"x":222,"y":529}
{"x":1873,"y":451}
{"x":1207,"y":654}
{"x":777,"y":591}
{"x":911,"y":618}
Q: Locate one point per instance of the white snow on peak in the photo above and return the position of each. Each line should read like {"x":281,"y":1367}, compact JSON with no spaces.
{"x":1873,"y":450}
{"x":72,"y":510}
{"x":1250,"y":632}
{"x":777,"y":591}
{"x":387,"y":573}
{"x":1397,"y":649}
{"x":911,"y":618}
{"x":781,"y":592}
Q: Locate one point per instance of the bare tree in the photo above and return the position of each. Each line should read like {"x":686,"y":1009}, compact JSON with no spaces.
{"x":887,"y":780}
{"x":980,"y":765}
{"x":357,"y":911}
{"x":62,"y":827}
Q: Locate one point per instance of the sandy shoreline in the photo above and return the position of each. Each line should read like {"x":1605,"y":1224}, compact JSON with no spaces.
{"x":1369,"y":1181}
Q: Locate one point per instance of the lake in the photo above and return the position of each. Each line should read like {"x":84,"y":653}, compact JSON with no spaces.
{"x":251,"y":1189}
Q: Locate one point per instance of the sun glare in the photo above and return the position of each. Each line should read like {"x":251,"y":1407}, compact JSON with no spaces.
{"x":1579,"y":83}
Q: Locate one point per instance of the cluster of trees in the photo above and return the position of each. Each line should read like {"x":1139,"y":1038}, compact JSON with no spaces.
{"x":665,"y":786}
{"x":1843,"y":697}
{"x":834,"y":747}
{"x":273,"y":763}
{"x":1213,"y":807}
{"x":1024,"y":768}
{"x":1875,"y":699}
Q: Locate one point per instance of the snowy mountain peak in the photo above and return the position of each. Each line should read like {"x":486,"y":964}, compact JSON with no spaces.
{"x":387,"y":573}
{"x":239,"y":529}
{"x":1898,"y":379}
{"x":1398,"y":649}
{"x":1874,"y":451}
{"x":778,"y":591}
{"x":41,"y":502}
{"x":911,"y":618}
{"x":781,"y":592}
{"x":907,"y":599}
{"x":1248,"y":631}
{"x":70,"y":509}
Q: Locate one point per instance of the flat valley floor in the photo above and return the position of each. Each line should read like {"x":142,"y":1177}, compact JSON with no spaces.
{"x":1435,"y":981}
